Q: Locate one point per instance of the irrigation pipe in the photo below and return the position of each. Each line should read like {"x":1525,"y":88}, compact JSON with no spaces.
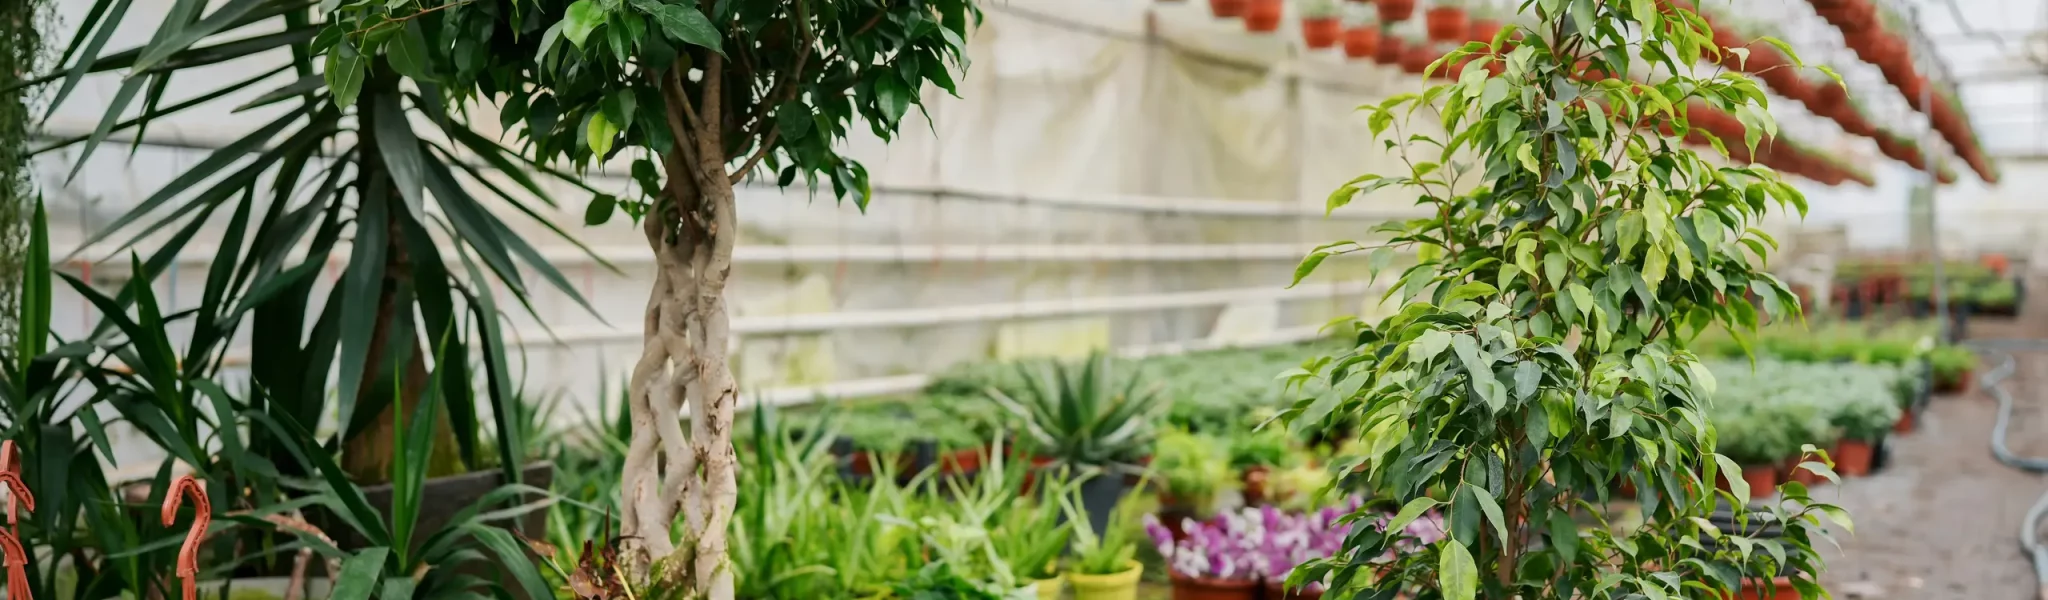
{"x":1990,"y":382}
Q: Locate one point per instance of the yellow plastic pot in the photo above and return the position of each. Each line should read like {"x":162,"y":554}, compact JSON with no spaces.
{"x":1115,"y":586}
{"x":1050,"y":588}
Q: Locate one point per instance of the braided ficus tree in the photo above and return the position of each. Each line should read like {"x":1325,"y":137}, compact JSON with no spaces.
{"x":1538,"y":360}
{"x":697,"y":96}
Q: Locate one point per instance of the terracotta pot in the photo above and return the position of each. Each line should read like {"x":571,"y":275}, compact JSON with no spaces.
{"x":1851,"y":15}
{"x":1828,"y":97}
{"x":1762,"y":480}
{"x":1389,"y":51}
{"x":1956,"y":386}
{"x":1263,"y":16}
{"x":1254,"y":482}
{"x":1226,"y":9}
{"x":1482,"y":30}
{"x":1393,"y":11}
{"x":1852,"y":457}
{"x":961,"y":461}
{"x":1204,"y":588}
{"x":1276,"y":590}
{"x":1779,"y":589}
{"x":1361,"y":42}
{"x":1446,"y":24}
{"x":1322,"y":32}
{"x":1415,"y":57}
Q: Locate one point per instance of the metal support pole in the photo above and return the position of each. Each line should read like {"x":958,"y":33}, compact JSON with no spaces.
{"x":1932,"y":179}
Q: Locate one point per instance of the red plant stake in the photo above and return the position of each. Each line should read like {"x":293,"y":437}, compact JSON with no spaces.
{"x":202,"y":511}
{"x":18,"y":496}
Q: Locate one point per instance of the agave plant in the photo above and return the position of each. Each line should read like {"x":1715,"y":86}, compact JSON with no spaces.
{"x":1087,"y":418}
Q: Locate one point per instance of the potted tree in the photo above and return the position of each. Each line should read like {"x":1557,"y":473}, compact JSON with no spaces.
{"x":1087,"y":419}
{"x":1528,"y":367}
{"x":1321,"y":23}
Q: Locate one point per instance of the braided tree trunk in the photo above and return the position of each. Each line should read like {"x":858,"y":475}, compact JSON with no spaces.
{"x":684,"y":362}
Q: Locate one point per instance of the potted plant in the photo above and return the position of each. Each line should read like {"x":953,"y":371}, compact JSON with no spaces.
{"x":1952,"y":366}
{"x":1191,"y":469}
{"x":1445,"y":21}
{"x":1322,"y":23}
{"x":1416,"y":56}
{"x":1754,"y":444}
{"x":1362,"y":40}
{"x":1395,"y":11}
{"x":1104,"y":565}
{"x":1254,"y":453}
{"x":1390,"y":49}
{"x":1211,"y":559}
{"x":1088,"y":419}
{"x":1263,"y":16}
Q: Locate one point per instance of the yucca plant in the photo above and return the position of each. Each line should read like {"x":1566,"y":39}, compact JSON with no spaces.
{"x":1088,"y":419}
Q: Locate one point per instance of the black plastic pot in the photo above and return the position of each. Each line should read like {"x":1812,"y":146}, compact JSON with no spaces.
{"x":1099,"y":495}
{"x":1881,"y":455}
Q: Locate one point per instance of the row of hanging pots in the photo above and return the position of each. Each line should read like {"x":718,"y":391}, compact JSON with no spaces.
{"x":1263,"y":16}
{"x":1773,"y":153}
{"x":1864,"y":33}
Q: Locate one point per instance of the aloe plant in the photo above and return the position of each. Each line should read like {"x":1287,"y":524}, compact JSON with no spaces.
{"x":1085,"y":418}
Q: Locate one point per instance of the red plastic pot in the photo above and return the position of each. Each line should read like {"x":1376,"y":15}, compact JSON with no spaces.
{"x":1852,"y":457}
{"x":1263,"y":16}
{"x":1446,"y":24}
{"x":1361,"y":42}
{"x":1226,"y":9}
{"x":1828,"y":97}
{"x":1415,"y":57}
{"x":1204,"y":588}
{"x":1850,"y":15}
{"x":1389,"y":52}
{"x":1394,"y":11}
{"x":1762,"y":480}
{"x":1321,"y":32}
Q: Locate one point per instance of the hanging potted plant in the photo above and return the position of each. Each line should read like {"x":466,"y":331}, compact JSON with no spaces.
{"x":1322,"y":23}
{"x":1828,"y":97}
{"x":1416,"y":56}
{"x":1362,"y":39}
{"x":1263,"y":16}
{"x":1395,"y":11}
{"x":1445,"y":21}
{"x":1389,"y":51}
{"x":1227,"y":9}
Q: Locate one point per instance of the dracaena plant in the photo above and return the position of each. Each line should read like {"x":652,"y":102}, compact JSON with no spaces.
{"x":1573,"y":242}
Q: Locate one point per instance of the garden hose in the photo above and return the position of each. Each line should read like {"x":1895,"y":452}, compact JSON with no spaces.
{"x":1990,"y":382}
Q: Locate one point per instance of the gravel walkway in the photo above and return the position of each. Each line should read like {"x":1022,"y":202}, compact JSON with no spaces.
{"x":1942,"y":520}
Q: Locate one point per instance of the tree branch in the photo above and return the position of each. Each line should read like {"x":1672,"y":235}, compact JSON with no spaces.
{"x":767,"y":145}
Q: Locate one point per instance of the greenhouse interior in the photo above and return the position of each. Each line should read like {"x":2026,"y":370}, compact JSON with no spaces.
{"x":1023,"y":299}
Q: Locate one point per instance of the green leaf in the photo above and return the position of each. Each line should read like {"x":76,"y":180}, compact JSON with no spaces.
{"x":1492,"y":509}
{"x":1737,"y":486}
{"x":1554,"y":265}
{"x":1527,"y":158}
{"x":1527,"y":375}
{"x":344,"y":73}
{"x":1598,"y":116}
{"x":360,"y":574}
{"x":1496,"y":90}
{"x":1470,"y":290}
{"x":683,"y":23}
{"x":1583,"y":297}
{"x":600,"y":209}
{"x":1564,"y":534}
{"x":1620,"y":420}
{"x":1653,"y":266}
{"x":1430,"y":344}
{"x":599,"y":134}
{"x":407,"y":52}
{"x":1525,"y":257}
{"x":1457,"y":576}
{"x":892,"y":97}
{"x":1307,"y":266}
{"x":1409,"y":512}
{"x":582,"y":18}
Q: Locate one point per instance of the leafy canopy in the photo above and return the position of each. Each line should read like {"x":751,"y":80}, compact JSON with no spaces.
{"x":1538,"y":360}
